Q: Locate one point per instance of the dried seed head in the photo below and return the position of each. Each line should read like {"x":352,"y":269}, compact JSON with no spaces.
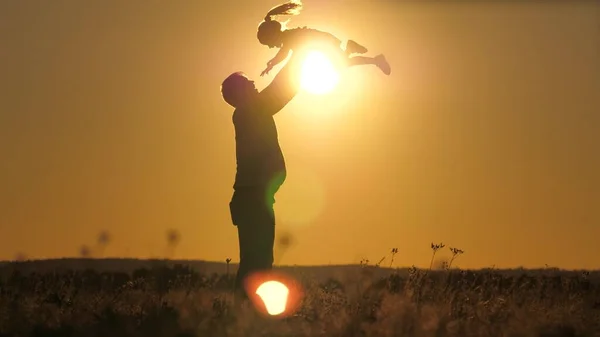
{"x":173,"y":237}
{"x":104,"y":238}
{"x":84,"y":251}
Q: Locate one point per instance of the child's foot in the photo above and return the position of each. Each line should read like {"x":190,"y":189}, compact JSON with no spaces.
{"x":354,"y":48}
{"x":383,"y":64}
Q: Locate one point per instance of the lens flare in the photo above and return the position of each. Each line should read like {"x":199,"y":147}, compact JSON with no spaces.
{"x":274,"y":295}
{"x":303,"y":199}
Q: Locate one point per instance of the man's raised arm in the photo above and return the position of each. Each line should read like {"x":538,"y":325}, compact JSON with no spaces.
{"x":283,"y":88}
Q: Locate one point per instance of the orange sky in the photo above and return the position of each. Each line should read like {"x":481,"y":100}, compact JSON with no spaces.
{"x":484,"y":137}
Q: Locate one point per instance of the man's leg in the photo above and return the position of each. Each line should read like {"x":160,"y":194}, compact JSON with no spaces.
{"x":256,"y":250}
{"x":239,"y":291}
{"x":256,"y":234}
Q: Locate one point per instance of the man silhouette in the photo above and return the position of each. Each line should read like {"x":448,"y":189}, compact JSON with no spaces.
{"x":260,"y":165}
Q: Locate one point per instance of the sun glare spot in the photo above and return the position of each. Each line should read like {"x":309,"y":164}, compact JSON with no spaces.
{"x":318,"y":75}
{"x":274,"y":294}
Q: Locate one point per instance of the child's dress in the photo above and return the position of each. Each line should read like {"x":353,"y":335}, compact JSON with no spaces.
{"x":303,"y":38}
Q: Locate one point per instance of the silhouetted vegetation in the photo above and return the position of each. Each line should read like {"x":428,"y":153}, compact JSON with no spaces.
{"x":176,"y":300}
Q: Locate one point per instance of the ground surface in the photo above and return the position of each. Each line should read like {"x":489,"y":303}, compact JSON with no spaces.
{"x":105,"y":298}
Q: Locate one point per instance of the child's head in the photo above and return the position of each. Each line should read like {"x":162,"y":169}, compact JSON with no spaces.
{"x":269,"y":31}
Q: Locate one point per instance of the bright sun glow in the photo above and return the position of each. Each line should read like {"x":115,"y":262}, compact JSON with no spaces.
{"x":318,"y":75}
{"x":275,"y":296}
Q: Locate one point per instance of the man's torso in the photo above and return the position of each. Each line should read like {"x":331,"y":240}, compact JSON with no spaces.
{"x":260,"y":161}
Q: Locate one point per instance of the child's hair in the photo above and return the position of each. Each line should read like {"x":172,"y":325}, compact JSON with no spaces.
{"x":268,"y":27}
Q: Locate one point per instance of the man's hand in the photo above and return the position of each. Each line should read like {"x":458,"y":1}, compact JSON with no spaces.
{"x":282,"y":88}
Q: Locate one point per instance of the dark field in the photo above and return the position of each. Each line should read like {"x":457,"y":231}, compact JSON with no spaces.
{"x":143,"y":298}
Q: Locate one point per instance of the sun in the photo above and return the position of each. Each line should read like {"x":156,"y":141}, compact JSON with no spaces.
{"x":318,"y":75}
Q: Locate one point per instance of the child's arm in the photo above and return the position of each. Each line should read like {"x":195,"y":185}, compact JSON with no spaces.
{"x":281,"y":55}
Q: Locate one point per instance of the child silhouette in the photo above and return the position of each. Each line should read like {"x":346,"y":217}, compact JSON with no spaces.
{"x":273,"y":34}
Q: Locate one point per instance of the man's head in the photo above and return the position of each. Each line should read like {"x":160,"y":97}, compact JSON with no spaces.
{"x":238,"y":90}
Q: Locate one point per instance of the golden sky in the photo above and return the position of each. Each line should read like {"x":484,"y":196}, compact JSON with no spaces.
{"x":485,"y":136}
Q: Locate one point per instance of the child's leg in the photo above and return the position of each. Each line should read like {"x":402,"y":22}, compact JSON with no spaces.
{"x":352,"y":47}
{"x":360,"y":60}
{"x":378,"y":60}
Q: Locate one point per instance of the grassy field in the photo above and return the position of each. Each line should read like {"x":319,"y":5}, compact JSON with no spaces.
{"x":112,"y":298}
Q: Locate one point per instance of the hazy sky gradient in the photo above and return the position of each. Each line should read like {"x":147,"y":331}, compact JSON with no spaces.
{"x":485,"y":136}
